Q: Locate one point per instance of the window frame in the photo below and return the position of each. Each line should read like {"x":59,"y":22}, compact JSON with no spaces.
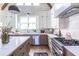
{"x":28,"y":23}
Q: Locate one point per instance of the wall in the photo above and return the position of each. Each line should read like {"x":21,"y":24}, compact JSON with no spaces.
{"x":7,"y":18}
{"x":70,"y":25}
{"x":64,"y":25}
{"x":54,"y":20}
{"x":74,"y":26}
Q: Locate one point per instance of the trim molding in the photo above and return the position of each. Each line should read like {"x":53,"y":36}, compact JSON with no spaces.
{"x":49,"y":5}
{"x":4,"y":6}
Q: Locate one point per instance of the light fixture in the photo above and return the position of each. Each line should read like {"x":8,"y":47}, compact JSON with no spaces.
{"x":14,"y":9}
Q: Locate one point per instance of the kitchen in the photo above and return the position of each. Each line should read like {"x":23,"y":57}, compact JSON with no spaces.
{"x":40,"y":29}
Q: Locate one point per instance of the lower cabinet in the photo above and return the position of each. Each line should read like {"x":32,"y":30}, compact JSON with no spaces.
{"x":40,"y":39}
{"x":43,"y":39}
{"x":50,"y":45}
{"x":23,"y":50}
{"x":68,"y":53}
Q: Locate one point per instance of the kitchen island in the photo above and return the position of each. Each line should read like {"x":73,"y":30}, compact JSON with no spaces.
{"x":15,"y":43}
{"x":37,"y":38}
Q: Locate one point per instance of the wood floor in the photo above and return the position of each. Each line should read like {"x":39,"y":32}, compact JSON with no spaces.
{"x":34,"y":49}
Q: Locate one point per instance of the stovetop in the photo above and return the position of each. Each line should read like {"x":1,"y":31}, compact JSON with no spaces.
{"x":68,"y":42}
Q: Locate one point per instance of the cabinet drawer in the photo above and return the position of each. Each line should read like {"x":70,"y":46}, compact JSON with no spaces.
{"x":50,"y":45}
{"x":68,"y":53}
{"x":22,"y":52}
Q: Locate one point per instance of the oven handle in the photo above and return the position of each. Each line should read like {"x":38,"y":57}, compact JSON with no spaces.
{"x":56,"y":49}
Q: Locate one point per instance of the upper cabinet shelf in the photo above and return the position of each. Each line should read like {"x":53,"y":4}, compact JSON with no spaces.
{"x":67,"y":10}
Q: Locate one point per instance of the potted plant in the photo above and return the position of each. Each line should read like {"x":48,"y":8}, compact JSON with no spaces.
{"x":4,"y":35}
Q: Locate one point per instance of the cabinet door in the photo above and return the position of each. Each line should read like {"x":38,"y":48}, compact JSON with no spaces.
{"x":27,"y":46}
{"x":50,"y":45}
{"x":43,"y":40}
{"x":68,"y":53}
{"x":22,"y":52}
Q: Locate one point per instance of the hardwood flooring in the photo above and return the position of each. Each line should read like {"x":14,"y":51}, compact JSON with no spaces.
{"x":34,"y":49}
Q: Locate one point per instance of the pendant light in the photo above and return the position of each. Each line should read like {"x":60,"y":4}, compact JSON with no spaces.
{"x":14,"y":9}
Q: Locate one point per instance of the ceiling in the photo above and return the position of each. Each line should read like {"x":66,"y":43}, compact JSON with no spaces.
{"x":1,"y":4}
{"x":33,"y":9}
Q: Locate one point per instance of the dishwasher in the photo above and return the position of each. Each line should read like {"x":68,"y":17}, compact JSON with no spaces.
{"x":35,"y":40}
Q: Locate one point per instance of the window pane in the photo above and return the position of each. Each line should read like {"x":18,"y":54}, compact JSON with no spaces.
{"x":0,"y":24}
{"x":32,"y":26}
{"x":24,"y":26}
{"x":24,"y":22}
{"x":32,"y":19}
{"x":24,"y":19}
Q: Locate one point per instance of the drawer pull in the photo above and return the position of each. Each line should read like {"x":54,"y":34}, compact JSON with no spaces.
{"x":23,"y":54}
{"x":20,"y":48}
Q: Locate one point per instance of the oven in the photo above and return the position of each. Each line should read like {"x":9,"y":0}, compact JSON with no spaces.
{"x":58,"y":44}
{"x":57,"y":48}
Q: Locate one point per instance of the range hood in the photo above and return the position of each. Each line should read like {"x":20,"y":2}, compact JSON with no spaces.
{"x":67,"y":10}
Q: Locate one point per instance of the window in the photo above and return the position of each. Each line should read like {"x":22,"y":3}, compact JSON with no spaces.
{"x":0,"y":25}
{"x":28,"y":22}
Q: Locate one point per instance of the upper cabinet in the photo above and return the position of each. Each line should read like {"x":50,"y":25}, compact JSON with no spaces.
{"x":66,"y":9}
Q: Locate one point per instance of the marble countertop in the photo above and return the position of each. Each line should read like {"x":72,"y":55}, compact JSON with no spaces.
{"x":14,"y":43}
{"x":73,"y":49}
{"x":26,"y":34}
{"x":51,"y":35}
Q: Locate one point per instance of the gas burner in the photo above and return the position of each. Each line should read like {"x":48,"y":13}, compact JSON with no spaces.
{"x":68,"y":42}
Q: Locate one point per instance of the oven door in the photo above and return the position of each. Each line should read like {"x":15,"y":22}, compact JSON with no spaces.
{"x":57,"y":51}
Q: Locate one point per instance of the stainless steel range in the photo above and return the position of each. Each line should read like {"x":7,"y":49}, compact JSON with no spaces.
{"x":59,"y":42}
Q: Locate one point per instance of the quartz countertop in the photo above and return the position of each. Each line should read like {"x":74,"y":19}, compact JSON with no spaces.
{"x":14,"y":43}
{"x":73,"y":49}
